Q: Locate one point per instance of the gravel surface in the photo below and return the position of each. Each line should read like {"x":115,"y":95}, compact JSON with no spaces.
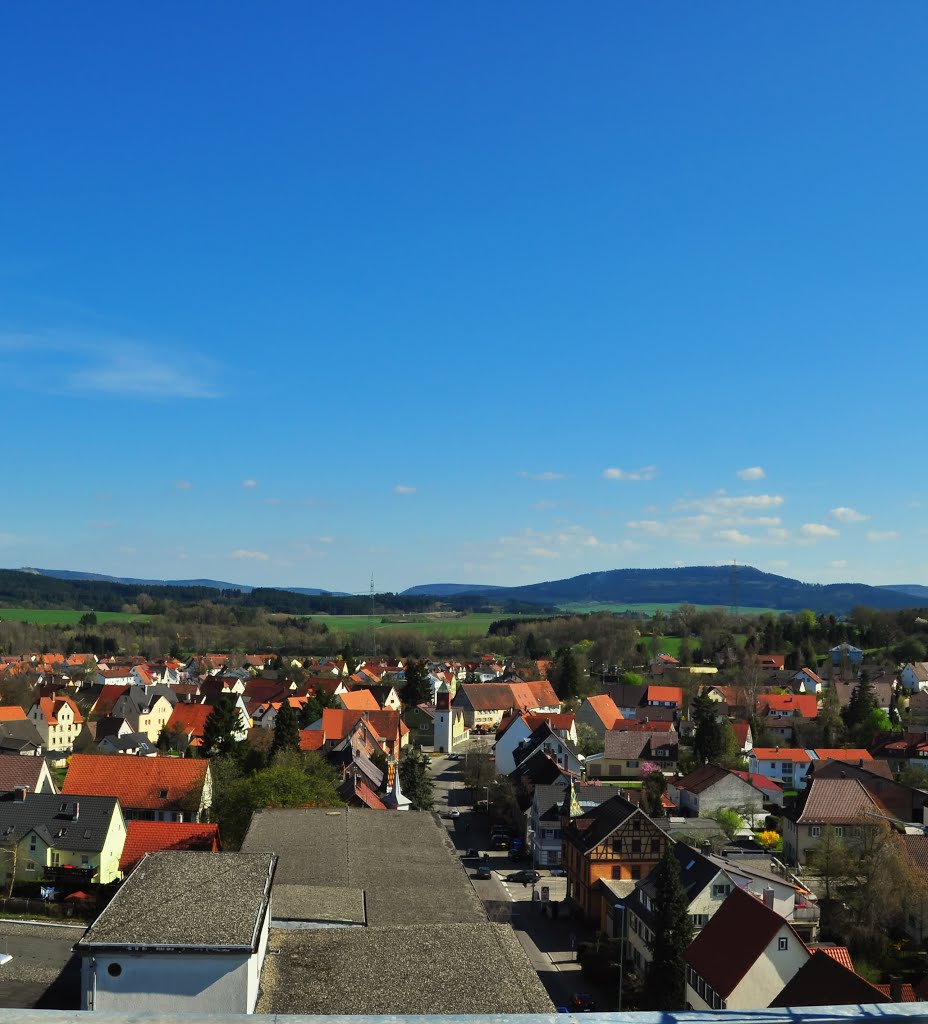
{"x":461,"y":968}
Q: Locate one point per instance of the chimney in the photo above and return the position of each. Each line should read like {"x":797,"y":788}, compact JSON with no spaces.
{"x":76,"y":813}
{"x":895,"y":988}
{"x":19,"y":793}
{"x":706,"y":848}
{"x":777,"y":748}
{"x":768,"y":897}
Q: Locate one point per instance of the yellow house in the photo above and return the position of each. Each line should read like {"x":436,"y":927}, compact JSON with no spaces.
{"x":60,"y":839}
{"x":58,"y":721}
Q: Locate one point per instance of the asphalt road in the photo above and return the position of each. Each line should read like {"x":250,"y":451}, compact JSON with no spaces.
{"x":43,"y":973}
{"x":549,"y":944}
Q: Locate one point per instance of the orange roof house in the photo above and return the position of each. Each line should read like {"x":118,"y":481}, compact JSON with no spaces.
{"x":151,"y":836}
{"x":148,"y":788}
{"x":358,"y":700}
{"x":12,"y":713}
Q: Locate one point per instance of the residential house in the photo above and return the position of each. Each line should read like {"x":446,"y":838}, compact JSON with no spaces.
{"x":387,"y":697}
{"x":358,"y":700}
{"x":543,"y":834}
{"x":777,"y":662}
{"x":19,"y":736}
{"x":201,"y":955}
{"x":743,"y":957}
{"x":787,"y":766}
{"x":133,"y":744}
{"x":545,"y":741}
{"x":663,"y":697}
{"x":915,"y":676}
{"x":825,"y":979}
{"x":188,"y":721}
{"x":806,"y":680}
{"x":148,"y":788}
{"x":916,"y":914}
{"x":711,"y":788}
{"x":515,"y":731}
{"x":614,"y":840}
{"x":115,"y":675}
{"x":626,"y":752}
{"x":599,"y":713}
{"x":146,"y":709}
{"x":846,"y":653}
{"x":743,"y":735}
{"x":29,"y":773}
{"x":884,"y":684}
{"x":627,"y":697}
{"x":153,"y":836}
{"x":706,"y":885}
{"x":845,"y":804}
{"x":58,"y":721}
{"x":385,"y":729}
{"x":485,"y":704}
{"x":49,"y":836}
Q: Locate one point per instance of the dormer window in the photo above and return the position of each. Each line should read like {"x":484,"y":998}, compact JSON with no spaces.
{"x":163,"y":794}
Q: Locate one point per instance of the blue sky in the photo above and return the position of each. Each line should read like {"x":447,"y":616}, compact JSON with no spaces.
{"x":294,"y":294}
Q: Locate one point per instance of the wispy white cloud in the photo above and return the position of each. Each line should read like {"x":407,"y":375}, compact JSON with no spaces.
{"x":837,"y":563}
{"x":633,"y":475}
{"x":326,"y":540}
{"x":404,"y":489}
{"x":817,"y":531}
{"x":752,"y":473}
{"x":59,"y":362}
{"x":882,"y":536}
{"x":183,"y":485}
{"x":272,"y":501}
{"x":541,"y":505}
{"x":104,"y":524}
{"x":847,"y":515}
{"x":256,"y":556}
{"x":249,"y":484}
{"x":722,"y":503}
{"x":735,"y":537}
{"x":546,"y":475}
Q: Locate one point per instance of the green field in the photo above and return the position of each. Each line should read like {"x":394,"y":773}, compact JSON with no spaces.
{"x":64,"y":616}
{"x":649,"y":609}
{"x":476,"y":624}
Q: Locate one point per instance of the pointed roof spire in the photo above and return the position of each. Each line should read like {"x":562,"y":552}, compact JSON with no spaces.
{"x":394,"y":798}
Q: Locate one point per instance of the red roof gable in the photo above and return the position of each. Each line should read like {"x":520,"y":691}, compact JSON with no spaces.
{"x":733,"y":941}
{"x":803,"y":704}
{"x":311,"y":739}
{"x":137,"y":782}
{"x":189,"y":719}
{"x":665,"y":693}
{"x":150,"y":836}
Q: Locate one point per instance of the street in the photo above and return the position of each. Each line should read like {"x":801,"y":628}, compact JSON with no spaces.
{"x":549,"y":944}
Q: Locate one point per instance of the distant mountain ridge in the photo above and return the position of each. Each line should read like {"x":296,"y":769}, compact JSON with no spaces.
{"x":725,"y":586}
{"x":71,"y":574}
{"x":448,"y":589}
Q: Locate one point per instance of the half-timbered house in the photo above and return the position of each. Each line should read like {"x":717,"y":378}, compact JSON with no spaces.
{"x":614,"y":840}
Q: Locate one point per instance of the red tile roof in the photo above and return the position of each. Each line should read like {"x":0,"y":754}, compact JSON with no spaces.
{"x":150,"y":836}
{"x":780,"y":754}
{"x":908,"y":993}
{"x":605,"y":709}
{"x":359,"y":700}
{"x":311,"y":739}
{"x":662,"y":693}
{"x":840,"y":953}
{"x":12,"y":713}
{"x":734,"y":940}
{"x":803,"y":704}
{"x":189,"y":719}
{"x":51,"y":707}
{"x":137,"y":782}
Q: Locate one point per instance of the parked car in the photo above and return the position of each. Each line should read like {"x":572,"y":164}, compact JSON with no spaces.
{"x":582,"y":1002}
{"x":454,"y":813}
{"x":524,"y":876}
{"x":484,"y":871}
{"x":557,"y":872}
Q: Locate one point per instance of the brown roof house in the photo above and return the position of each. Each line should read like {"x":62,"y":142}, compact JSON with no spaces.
{"x":626,"y":752}
{"x":711,"y":788}
{"x":743,"y":957}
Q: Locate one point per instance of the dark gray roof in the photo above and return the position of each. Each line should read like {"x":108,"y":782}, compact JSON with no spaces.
{"x":132,"y":741}
{"x":591,"y":828}
{"x":524,"y":751}
{"x":187,"y":899}
{"x":403,"y":861}
{"x":52,"y":817}
{"x":548,"y":799}
{"x":696,"y":872}
{"x":423,"y":969}
{"x":16,"y":770}
{"x":20,"y":735}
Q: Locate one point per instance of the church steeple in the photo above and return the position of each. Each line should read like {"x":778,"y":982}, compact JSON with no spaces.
{"x":394,"y":799}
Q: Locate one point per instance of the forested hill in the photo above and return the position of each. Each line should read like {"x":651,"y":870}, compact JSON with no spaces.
{"x":33,"y":590}
{"x":726,"y":586}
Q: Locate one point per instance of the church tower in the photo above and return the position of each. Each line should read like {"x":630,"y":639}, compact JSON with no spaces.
{"x":442,"y":740}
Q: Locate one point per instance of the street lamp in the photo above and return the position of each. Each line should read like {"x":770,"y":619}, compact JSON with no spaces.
{"x":621,"y":908}
{"x":487,"y":791}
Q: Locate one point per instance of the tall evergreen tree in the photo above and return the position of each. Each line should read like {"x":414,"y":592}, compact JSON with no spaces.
{"x":708,"y":738}
{"x":863,"y":701}
{"x":286,"y":730}
{"x":417,"y":689}
{"x":415,"y":780}
{"x":665,"y":984}
{"x":220,"y":727}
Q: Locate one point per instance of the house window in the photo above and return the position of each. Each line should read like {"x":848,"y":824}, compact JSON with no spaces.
{"x":782,"y":943}
{"x":636,"y":846}
{"x":839,"y":831}
{"x":636,"y":873}
{"x":814,"y":831}
{"x":723,"y":889}
{"x":699,"y":919}
{"x":32,"y":842}
{"x":56,"y":859}
{"x":30,"y":865}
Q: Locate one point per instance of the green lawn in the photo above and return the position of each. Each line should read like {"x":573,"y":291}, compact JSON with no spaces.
{"x":645,"y":608}
{"x":64,"y":616}
{"x":475,"y":624}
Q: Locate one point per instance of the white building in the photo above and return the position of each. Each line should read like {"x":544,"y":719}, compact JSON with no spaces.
{"x":186,"y":933}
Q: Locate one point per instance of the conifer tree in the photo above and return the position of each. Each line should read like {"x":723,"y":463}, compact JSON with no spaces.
{"x":665,"y":984}
{"x":220,"y":727}
{"x":286,"y":730}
